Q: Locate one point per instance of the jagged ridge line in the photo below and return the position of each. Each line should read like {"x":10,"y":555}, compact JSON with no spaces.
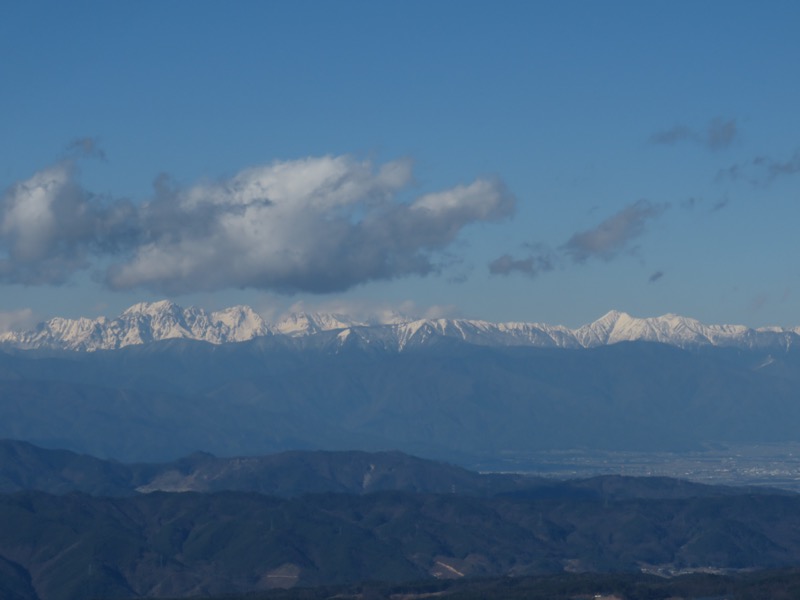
{"x":147,"y":322}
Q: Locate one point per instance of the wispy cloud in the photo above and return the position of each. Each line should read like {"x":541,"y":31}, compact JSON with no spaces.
{"x":85,"y":147}
{"x":777,"y":168}
{"x":718,"y":134}
{"x":761,"y":170}
{"x":531,"y":265}
{"x":605,"y":241}
{"x":320,"y":224}
{"x":612,"y":236}
{"x":690,"y":203}
{"x":758,"y":302}
{"x":367,"y":311}
{"x":720,"y":204}
{"x":655,"y":277}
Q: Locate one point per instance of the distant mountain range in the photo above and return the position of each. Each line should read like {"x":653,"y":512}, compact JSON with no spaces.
{"x":27,"y":467}
{"x":171,"y":383}
{"x":448,"y":399}
{"x":164,"y":320}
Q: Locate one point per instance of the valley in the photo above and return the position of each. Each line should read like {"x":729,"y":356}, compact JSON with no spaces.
{"x":773,"y":465}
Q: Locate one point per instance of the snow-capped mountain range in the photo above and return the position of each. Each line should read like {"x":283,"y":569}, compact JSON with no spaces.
{"x":150,"y":322}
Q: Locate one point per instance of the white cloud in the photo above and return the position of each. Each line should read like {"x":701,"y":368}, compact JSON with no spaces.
{"x":367,"y":311}
{"x":319,"y":224}
{"x":17,"y":320}
{"x":50,"y":226}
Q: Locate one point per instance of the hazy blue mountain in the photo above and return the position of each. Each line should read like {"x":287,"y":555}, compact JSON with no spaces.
{"x":451,"y":400}
{"x":24,"y":466}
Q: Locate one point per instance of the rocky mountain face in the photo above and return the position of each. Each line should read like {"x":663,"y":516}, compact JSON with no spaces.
{"x":140,"y":324}
{"x":149,"y":322}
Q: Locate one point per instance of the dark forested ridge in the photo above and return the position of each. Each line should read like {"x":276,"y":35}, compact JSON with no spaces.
{"x":74,"y":545}
{"x":781,"y":584}
{"x":78,"y":546}
{"x":25,"y":466}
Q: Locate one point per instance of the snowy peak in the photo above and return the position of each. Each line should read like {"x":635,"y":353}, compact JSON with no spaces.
{"x":140,"y":324}
{"x":239,"y":324}
{"x":678,"y":331}
{"x":152,"y":309}
{"x":601,"y":331}
{"x":148,"y":322}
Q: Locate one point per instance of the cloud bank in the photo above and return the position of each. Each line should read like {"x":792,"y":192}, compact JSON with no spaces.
{"x":320,"y":224}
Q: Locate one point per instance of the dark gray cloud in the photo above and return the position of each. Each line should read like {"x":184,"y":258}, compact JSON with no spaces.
{"x":612,"y":236}
{"x":50,"y":227}
{"x":718,"y":134}
{"x":317,"y":225}
{"x":605,"y":241}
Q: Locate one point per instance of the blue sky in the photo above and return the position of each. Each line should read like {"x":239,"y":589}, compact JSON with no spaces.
{"x":536,"y":161}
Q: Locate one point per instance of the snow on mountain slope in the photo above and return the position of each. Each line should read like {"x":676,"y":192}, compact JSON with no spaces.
{"x":679,"y":331}
{"x":140,"y":324}
{"x":484,"y":333}
{"x":238,"y":324}
{"x":148,"y":322}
